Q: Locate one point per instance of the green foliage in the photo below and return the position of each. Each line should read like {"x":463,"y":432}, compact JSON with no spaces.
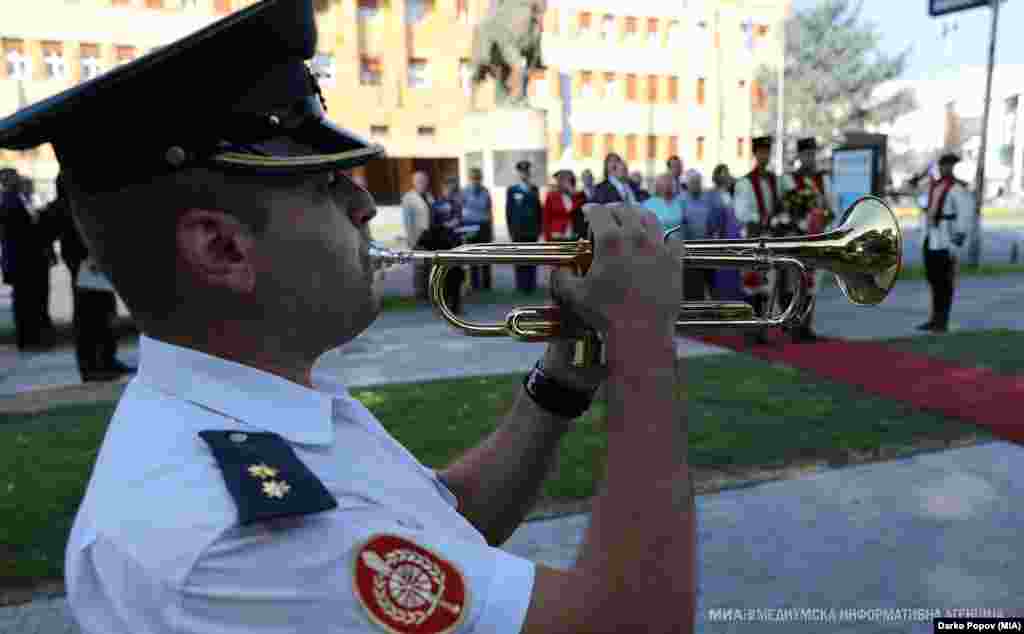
{"x":833,"y":69}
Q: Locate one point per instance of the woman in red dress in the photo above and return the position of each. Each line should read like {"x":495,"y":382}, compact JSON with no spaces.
{"x":560,"y":207}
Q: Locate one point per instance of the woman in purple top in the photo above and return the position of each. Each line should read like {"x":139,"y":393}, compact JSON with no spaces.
{"x":722,"y":224}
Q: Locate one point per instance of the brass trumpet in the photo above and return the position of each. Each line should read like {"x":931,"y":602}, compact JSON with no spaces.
{"x":864,"y":253}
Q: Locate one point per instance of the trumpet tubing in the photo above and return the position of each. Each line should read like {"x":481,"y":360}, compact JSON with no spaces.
{"x":864,"y":253}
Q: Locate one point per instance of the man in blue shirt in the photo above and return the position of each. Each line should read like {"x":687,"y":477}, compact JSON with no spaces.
{"x":698,"y":208}
{"x":477,"y":210}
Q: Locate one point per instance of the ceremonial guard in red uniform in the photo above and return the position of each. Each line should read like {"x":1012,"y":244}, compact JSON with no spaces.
{"x":946,"y":223}
{"x":758,"y":199}
{"x":811,"y":209}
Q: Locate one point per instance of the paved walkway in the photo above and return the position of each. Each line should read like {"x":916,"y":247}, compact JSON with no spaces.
{"x":934,"y":531}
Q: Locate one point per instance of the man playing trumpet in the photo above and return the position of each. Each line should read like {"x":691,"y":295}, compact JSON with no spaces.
{"x":238,"y":491}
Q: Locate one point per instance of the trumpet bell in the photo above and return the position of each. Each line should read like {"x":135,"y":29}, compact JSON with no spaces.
{"x":870,"y":256}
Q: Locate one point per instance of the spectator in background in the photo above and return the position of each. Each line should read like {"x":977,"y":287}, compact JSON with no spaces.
{"x":445,"y":219}
{"x":587,"y":177}
{"x":27,"y":260}
{"x":636,"y":179}
{"x":478,"y":211}
{"x":727,"y":284}
{"x":523,"y":215}
{"x":416,"y":214}
{"x":615,"y":187}
{"x":664,"y":204}
{"x":94,"y":310}
{"x":675,"y":168}
{"x":560,"y":205}
{"x":698,"y":208}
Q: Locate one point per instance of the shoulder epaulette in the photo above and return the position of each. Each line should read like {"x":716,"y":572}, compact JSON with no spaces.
{"x":265,"y":477}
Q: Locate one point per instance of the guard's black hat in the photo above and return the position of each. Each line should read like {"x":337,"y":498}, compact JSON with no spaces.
{"x":761,"y":141}
{"x":192,"y":103}
{"x":949,"y":159}
{"x":523,"y":166}
{"x":809,"y":143}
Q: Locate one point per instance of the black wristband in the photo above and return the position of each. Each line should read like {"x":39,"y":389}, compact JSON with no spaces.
{"x":554,"y":397}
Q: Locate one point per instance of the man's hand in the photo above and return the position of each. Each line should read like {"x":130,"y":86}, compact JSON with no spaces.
{"x":635,"y":281}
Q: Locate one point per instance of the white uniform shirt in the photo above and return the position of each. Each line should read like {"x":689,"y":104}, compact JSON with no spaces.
{"x":958,"y":201}
{"x":746,"y":207}
{"x":157,"y":546}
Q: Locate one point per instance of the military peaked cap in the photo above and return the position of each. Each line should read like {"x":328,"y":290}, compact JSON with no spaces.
{"x":236,"y":95}
{"x":761,"y":141}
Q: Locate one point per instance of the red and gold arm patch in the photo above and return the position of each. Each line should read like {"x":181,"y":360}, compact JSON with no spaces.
{"x":405,"y":588}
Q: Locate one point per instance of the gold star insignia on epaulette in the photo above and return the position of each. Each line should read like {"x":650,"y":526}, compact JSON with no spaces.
{"x":276,"y":489}
{"x":262,"y":471}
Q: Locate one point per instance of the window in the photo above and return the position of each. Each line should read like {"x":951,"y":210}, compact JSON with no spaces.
{"x":538,"y":83}
{"x":673,"y":33}
{"x":673,"y":146}
{"x":631,"y":87}
{"x":631,"y":28}
{"x":740,"y":147}
{"x":222,"y":6}
{"x":586,"y":84}
{"x":418,"y":74}
{"x":652,"y":89}
{"x":700,"y":148}
{"x":416,"y":10}
{"x":584,"y":27}
{"x":762,"y":30}
{"x":425,"y":130}
{"x":462,"y":11}
{"x":607,"y":25}
{"x":631,"y":153}
{"x":743,"y":84}
{"x":368,"y":9}
{"x":673,"y":90}
{"x":124,"y":54}
{"x":465,"y":80}
{"x":17,"y":62}
{"x":700,"y":91}
{"x":369,"y":72}
{"x":609,"y":143}
{"x":760,"y":99}
{"x":587,"y":145}
{"x":378,"y":130}
{"x":121,"y":3}
{"x":89,"y":56}
{"x":652,"y":146}
{"x":611,"y":86}
{"x":652,"y":30}
{"x":53,"y":57}
{"x":324,"y":68}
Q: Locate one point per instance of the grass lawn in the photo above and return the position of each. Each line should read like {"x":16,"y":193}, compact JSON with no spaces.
{"x":743,"y":413}
{"x":916,"y":271}
{"x":1001,"y":351}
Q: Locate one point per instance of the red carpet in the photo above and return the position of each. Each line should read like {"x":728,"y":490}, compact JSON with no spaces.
{"x":983,"y":397}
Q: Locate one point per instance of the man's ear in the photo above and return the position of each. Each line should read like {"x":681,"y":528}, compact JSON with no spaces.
{"x":217,"y":248}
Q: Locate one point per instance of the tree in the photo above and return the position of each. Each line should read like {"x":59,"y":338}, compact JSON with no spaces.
{"x":833,"y":66}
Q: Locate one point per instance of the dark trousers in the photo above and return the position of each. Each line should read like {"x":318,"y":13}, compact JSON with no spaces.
{"x":480,"y":276}
{"x":31,"y":306}
{"x":526,"y":276}
{"x":939,"y":268}
{"x":93,"y":325}
{"x":694,"y":284}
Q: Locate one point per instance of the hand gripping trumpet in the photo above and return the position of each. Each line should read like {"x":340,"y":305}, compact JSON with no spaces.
{"x":864,"y":253}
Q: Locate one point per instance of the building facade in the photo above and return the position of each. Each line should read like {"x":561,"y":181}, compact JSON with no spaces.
{"x":647,"y":80}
